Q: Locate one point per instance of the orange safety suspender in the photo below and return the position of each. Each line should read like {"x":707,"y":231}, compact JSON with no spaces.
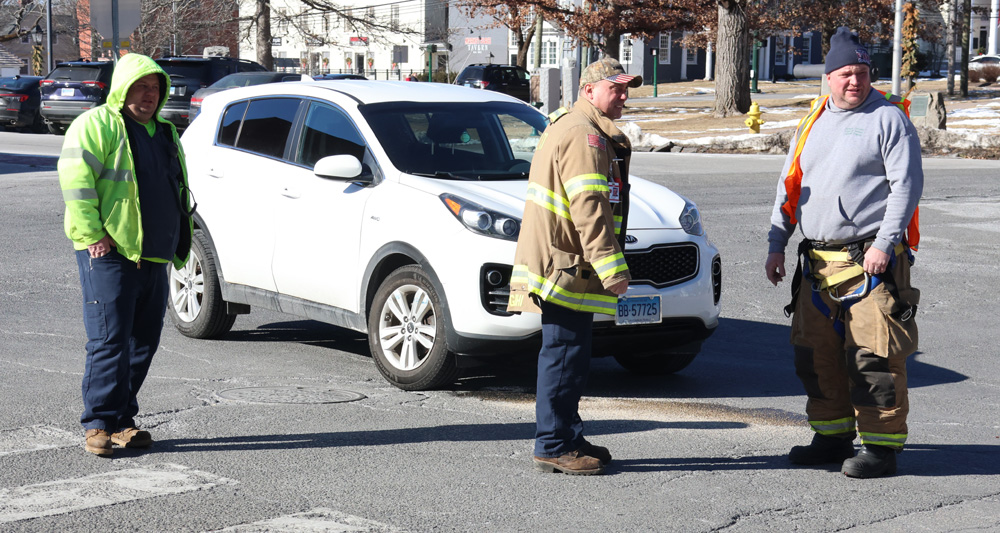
{"x":793,"y":181}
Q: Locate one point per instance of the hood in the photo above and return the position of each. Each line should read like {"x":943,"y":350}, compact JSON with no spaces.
{"x":651,"y":206}
{"x":130,"y":68}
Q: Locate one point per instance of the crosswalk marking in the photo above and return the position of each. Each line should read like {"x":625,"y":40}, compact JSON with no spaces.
{"x":320,"y":519}
{"x":97,"y":490}
{"x":35,"y":438}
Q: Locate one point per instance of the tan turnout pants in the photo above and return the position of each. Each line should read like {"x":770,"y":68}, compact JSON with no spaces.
{"x":857,"y":380}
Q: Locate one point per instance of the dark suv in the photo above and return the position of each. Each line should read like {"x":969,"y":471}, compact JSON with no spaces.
{"x":188,"y":74}
{"x":507,"y":79}
{"x":72,"y":88}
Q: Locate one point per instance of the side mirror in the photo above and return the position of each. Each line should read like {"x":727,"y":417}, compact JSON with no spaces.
{"x":338,"y":167}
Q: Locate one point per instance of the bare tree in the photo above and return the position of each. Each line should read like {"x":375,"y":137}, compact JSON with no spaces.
{"x":732,"y":78}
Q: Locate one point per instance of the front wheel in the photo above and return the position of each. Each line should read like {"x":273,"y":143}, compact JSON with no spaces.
{"x":196,"y":304}
{"x":406,"y":332}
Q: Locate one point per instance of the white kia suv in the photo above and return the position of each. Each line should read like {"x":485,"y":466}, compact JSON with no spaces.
{"x":393,"y":209}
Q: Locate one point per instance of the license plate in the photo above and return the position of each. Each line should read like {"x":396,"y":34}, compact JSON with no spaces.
{"x":67,"y":92}
{"x":177,"y":90}
{"x":638,"y":310}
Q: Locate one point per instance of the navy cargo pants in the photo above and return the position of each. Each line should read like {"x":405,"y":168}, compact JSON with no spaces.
{"x":563,"y":365}
{"x":123,"y":306}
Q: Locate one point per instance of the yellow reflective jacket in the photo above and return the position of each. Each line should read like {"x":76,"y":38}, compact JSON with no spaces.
{"x":572,"y":235}
{"x":96,"y":170}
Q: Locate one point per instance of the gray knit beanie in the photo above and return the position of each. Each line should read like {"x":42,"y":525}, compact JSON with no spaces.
{"x":846,"y":49}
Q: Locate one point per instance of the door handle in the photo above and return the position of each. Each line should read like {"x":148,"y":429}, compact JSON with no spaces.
{"x":216,"y":172}
{"x":290,"y":193}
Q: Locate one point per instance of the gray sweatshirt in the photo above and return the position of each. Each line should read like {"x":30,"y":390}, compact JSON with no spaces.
{"x":861,"y":177}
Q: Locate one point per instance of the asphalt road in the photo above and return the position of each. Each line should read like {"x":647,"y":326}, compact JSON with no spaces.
{"x":703,"y":450}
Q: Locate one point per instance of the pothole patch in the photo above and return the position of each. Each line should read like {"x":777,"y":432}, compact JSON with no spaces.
{"x":296,"y":395}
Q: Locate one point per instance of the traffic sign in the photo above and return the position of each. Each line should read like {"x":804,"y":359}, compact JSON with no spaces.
{"x":129,"y":16}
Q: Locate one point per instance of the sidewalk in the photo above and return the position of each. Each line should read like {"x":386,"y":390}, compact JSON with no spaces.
{"x":681,"y":116}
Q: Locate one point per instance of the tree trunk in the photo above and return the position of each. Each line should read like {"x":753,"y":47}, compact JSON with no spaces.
{"x":950,"y":46}
{"x":263,"y":19}
{"x":732,"y":56}
{"x":966,"y":24}
{"x":613,"y":44}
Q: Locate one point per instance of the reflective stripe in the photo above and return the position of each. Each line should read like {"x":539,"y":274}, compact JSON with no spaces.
{"x":549,"y":200}
{"x":550,"y":292}
{"x":833,"y":427}
{"x":586,"y":182}
{"x":844,"y":257}
{"x":75,"y":152}
{"x":893,"y":440}
{"x":610,"y":265}
{"x":111,"y":174}
{"x":618,"y":224}
{"x":79,"y":194}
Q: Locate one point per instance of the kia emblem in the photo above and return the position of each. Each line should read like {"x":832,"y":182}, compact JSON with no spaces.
{"x":629,"y":239}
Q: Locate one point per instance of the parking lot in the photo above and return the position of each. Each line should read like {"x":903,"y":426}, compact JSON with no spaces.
{"x":285,"y":423}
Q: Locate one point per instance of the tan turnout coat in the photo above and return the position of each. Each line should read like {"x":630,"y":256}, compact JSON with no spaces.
{"x":570,"y":247}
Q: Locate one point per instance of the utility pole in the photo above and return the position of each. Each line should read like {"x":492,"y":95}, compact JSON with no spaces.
{"x":48,"y":36}
{"x":115,"y":43}
{"x":897,"y":47}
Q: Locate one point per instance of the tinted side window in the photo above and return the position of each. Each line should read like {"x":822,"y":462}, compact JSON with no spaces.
{"x":266,"y":126}
{"x":328,"y":131}
{"x":231,"y":121}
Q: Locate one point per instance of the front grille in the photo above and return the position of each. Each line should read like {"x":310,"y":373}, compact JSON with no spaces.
{"x":664,"y":265}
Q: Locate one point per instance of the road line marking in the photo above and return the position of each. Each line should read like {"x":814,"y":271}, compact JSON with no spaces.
{"x":97,"y":490}
{"x":320,"y":519}
{"x":35,"y":438}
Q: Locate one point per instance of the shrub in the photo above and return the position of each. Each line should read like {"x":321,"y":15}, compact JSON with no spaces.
{"x":989,"y":73}
{"x":973,"y":76}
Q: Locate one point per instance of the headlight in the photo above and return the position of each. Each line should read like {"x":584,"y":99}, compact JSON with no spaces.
{"x":690,"y":219}
{"x":481,"y":220}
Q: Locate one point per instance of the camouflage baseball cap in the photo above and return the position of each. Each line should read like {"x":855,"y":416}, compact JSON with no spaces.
{"x":608,"y":68}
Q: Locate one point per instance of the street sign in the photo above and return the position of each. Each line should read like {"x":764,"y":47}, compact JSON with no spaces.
{"x":129,"y":16}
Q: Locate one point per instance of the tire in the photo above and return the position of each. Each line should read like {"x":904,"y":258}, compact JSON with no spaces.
{"x":195,"y":303}
{"x":407,"y":332}
{"x":656,"y":363}
{"x":56,"y":129}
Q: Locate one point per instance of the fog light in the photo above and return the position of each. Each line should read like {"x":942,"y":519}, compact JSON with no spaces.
{"x":494,"y":278}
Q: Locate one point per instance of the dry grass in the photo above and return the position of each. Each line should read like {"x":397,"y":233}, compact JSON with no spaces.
{"x":687,"y":113}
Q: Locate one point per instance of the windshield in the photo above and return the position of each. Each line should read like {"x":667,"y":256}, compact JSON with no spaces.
{"x":76,"y":73}
{"x":17,"y":83}
{"x":458,"y":140}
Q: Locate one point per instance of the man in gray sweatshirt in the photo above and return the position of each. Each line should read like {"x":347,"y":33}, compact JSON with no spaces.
{"x":851,"y":184}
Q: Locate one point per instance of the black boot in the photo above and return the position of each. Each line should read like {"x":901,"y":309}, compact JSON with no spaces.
{"x":822,"y":450}
{"x":871,"y":461}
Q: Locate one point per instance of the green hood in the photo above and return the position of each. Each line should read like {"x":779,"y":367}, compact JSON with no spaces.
{"x":130,"y":68}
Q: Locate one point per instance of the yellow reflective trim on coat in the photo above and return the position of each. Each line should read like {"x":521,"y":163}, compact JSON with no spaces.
{"x":610,"y":265}
{"x":618,"y":224}
{"x":833,"y":427}
{"x":894,"y":440}
{"x":586,"y":182}
{"x":552,"y":293}
{"x":549,"y":200}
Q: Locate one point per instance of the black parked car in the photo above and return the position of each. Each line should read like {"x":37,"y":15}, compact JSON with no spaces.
{"x":188,"y":74}
{"x":19,"y":103}
{"x":507,"y":79}
{"x":72,"y":88}
{"x":241,"y":79}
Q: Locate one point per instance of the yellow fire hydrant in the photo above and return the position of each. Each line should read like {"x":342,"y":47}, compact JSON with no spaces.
{"x":754,"y":121}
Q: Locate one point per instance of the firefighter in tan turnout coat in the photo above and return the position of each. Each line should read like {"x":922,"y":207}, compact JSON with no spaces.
{"x":569,"y":262}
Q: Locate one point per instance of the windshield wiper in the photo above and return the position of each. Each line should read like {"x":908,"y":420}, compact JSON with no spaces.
{"x":444,"y":175}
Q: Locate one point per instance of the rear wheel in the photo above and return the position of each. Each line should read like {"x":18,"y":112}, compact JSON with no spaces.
{"x":407,"y":330}
{"x":196,"y":304}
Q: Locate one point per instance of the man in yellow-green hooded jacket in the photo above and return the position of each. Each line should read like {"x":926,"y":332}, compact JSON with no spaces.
{"x":128,"y":214}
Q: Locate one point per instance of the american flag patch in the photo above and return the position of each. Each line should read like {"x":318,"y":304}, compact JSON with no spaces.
{"x":596,"y":141}
{"x":620,"y":78}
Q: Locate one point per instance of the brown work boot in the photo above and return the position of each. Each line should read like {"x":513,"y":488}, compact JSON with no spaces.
{"x":98,"y":442}
{"x":573,"y":463}
{"x":132,"y":438}
{"x":598,"y":452}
